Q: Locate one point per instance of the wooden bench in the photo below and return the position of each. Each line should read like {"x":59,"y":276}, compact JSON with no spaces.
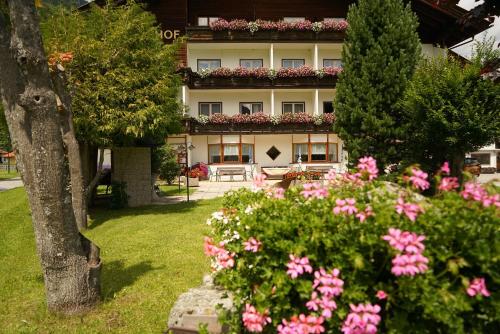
{"x":231,"y":172}
{"x":321,"y":169}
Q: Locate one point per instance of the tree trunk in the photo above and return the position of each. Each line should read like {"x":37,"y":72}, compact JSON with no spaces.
{"x":70,"y":263}
{"x":95,"y":181}
{"x":457,"y":166}
{"x":72,"y":146}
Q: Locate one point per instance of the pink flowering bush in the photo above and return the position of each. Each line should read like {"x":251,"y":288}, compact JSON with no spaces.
{"x":336,"y":256}
{"x":298,"y":72}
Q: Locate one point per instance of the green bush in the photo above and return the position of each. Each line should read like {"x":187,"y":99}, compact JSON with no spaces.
{"x":461,"y":244}
{"x":164,"y":162}
{"x":119,"y":197}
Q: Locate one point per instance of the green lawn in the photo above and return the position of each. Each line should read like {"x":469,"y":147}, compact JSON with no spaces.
{"x":173,"y":190}
{"x":5,"y":176}
{"x":150,"y":256}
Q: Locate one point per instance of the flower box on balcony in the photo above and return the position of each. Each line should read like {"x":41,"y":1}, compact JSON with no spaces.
{"x":203,"y":34}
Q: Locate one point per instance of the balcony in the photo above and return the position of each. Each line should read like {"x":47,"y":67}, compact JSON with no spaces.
{"x":205,"y":34}
{"x":285,"y":124}
{"x":241,"y":30}
{"x":325,"y":78}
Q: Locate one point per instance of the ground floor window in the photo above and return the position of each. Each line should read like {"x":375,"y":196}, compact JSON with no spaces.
{"x":315,"y":152}
{"x":483,"y":158}
{"x":231,"y":153}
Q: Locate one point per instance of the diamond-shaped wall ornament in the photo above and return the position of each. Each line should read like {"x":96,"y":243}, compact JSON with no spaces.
{"x":273,"y":153}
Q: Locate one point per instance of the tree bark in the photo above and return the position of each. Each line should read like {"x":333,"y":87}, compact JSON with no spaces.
{"x":457,"y":166}
{"x":94,"y":182}
{"x":70,"y":263}
{"x":72,"y":146}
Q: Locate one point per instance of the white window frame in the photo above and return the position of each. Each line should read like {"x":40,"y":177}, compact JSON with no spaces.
{"x":300,"y":62}
{"x":253,"y":60}
{"x":337,"y":62}
{"x":210,"y":108}
{"x":198,"y":61}
{"x":294,"y":104}
{"x":251,"y":106}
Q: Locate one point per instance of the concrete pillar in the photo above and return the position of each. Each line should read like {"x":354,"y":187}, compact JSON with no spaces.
{"x":316,"y":64}
{"x":272,"y":102}
{"x":132,"y":165}
{"x":271,"y":57}
{"x":316,"y":102}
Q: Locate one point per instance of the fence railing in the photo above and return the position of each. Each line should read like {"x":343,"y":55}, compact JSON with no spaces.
{"x":8,"y":167}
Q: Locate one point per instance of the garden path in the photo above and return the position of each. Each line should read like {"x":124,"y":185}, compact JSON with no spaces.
{"x":10,"y":183}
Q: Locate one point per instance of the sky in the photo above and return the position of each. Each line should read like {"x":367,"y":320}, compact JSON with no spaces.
{"x":466,"y":49}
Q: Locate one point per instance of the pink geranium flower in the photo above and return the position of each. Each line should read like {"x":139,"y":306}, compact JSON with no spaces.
{"x":325,"y":304}
{"x":297,"y":266}
{"x":381,"y":294}
{"x":409,"y":264}
{"x":363,"y":215}
{"x":314,"y":190}
{"x":368,"y":166}
{"x":445,"y":169}
{"x":302,"y":325}
{"x":405,"y":241}
{"x":448,"y":184}
{"x":255,"y":321}
{"x":478,"y":287}
{"x":411,"y":210}
{"x":259,"y":181}
{"x":419,"y":179}
{"x":345,"y":206}
{"x":252,"y":245}
{"x":328,"y":284}
{"x":363,"y":319}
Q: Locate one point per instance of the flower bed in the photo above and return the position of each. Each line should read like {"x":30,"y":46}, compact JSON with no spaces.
{"x":265,"y":73}
{"x":358,"y":255}
{"x":261,"y":118}
{"x":254,"y":26}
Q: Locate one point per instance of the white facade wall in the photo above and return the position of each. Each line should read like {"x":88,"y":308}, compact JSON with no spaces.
{"x":231,"y":99}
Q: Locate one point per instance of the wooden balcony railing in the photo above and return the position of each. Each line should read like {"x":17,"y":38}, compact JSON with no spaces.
{"x":205,"y":34}
{"x":193,"y":127}
{"x":194,"y":81}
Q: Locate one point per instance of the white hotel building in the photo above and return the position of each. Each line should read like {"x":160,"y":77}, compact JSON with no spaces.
{"x":269,"y":143}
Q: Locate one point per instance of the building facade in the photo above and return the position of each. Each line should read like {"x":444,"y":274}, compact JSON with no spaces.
{"x":259,"y":77}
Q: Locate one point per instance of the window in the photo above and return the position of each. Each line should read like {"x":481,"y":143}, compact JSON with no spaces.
{"x":315,"y":152}
{"x":292,"y":63}
{"x":293,"y":19}
{"x":206,"y":20}
{"x":246,"y":153}
{"x":483,"y":158}
{"x":251,"y":63}
{"x":318,"y":152}
{"x":231,"y":153}
{"x":302,"y":151}
{"x":327,"y":107}
{"x":332,"y":63}
{"x":293,"y":107}
{"x":214,"y":156}
{"x":332,"y":152}
{"x":247,"y":108}
{"x":209,"y":64}
{"x":209,"y":108}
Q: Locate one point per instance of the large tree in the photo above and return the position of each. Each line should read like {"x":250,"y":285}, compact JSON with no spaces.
{"x":380,"y":53}
{"x":122,"y":76}
{"x":449,"y":110}
{"x":70,"y":262}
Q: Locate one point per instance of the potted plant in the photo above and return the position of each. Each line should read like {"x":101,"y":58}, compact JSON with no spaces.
{"x":194,"y":177}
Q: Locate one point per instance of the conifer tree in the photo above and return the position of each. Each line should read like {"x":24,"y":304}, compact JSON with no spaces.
{"x":380,"y":53}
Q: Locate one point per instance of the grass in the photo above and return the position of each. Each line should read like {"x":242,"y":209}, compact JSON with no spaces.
{"x":150,"y":256}
{"x":4,"y":175}
{"x":173,"y":190}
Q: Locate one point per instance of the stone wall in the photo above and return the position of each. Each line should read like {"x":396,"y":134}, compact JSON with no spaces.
{"x":133,"y":166}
